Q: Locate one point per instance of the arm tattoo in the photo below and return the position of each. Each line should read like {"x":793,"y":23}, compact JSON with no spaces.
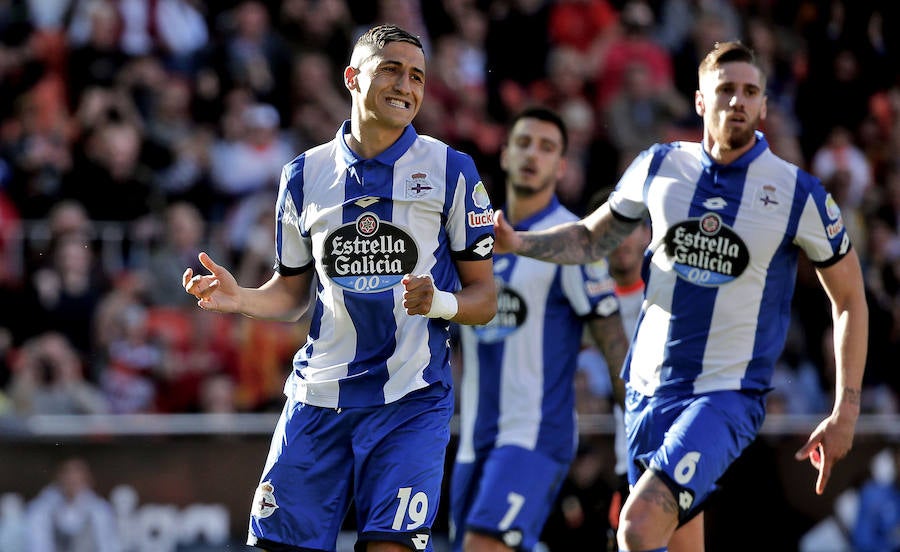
{"x":574,"y":243}
{"x":852,"y":396}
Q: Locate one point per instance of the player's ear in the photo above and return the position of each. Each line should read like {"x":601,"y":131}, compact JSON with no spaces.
{"x":699,"y":106}
{"x":561,"y":167}
{"x":763,"y":109}
{"x":350,"y":74}
{"x":503,"y":162}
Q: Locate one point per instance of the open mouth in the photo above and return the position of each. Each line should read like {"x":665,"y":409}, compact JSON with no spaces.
{"x":400,"y":104}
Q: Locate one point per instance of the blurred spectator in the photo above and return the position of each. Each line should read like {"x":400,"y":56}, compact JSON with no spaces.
{"x":847,"y":57}
{"x":407,"y":14}
{"x":135,"y":363}
{"x":840,"y":154}
{"x":68,"y":516}
{"x":67,"y":290}
{"x":96,"y":55}
{"x":48,"y":378}
{"x":319,"y":104}
{"x":578,"y":520}
{"x":776,"y":61}
{"x":174,"y":29}
{"x":641,"y":114}
{"x":592,"y":158}
{"x":568,"y":79}
{"x":318,"y":26}
{"x":182,"y":143}
{"x":218,"y":394}
{"x":110,"y":178}
{"x":678,"y":20}
{"x":587,"y":26}
{"x":510,"y":71}
{"x":783,"y":136}
{"x":246,"y":171}
{"x":180,"y":244}
{"x":798,"y":388}
{"x":129,"y":289}
{"x":11,"y":235}
{"x":252,"y":55}
{"x":635,"y":43}
{"x":706,"y":28}
{"x":877,"y":527}
{"x":195,"y":347}
{"x":36,"y":145}
{"x":13,"y":533}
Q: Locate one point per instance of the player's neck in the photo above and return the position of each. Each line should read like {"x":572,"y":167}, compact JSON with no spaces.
{"x":519,"y":209}
{"x":724,"y":156}
{"x":521,"y":206}
{"x":369,"y":140}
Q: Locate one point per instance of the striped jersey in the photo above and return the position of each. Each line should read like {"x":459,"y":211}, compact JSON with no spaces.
{"x":363,"y":224}
{"x":721,"y":265}
{"x":517,"y":378}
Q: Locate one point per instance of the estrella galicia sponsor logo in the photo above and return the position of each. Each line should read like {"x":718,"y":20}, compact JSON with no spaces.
{"x":369,"y":254}
{"x":511,"y":314}
{"x":705,"y":251}
{"x":480,"y":196}
{"x":483,"y":218}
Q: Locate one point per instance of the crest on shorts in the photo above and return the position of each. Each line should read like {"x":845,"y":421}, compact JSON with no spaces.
{"x":264,"y":504}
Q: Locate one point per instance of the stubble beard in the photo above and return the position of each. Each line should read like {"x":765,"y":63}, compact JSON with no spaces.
{"x":737,"y":139}
{"x":522,"y":191}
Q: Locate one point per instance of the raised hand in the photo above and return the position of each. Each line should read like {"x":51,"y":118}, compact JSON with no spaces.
{"x":217,"y":291}
{"x":506,"y":239}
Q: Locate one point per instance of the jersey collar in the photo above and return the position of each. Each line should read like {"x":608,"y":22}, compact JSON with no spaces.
{"x":527,"y":223}
{"x":387,"y":157}
{"x":744,"y":160}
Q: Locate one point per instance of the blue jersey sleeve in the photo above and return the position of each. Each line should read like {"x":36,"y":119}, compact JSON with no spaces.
{"x":470,"y":215}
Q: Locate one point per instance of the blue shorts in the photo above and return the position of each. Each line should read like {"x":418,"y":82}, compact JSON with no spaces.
{"x":690,"y":441}
{"x":388,"y":459}
{"x":506,"y":494}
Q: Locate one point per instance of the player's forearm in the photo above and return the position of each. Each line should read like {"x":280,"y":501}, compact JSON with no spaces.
{"x":477,"y":303}
{"x":274,"y":300}
{"x":609,"y":334}
{"x":580,"y":242}
{"x":851,"y":330}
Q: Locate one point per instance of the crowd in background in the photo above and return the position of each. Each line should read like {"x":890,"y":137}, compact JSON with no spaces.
{"x":136,"y":133}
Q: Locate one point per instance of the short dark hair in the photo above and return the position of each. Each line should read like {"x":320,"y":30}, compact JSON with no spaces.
{"x":546,"y":115}
{"x":380,"y":36}
{"x":727,"y":52}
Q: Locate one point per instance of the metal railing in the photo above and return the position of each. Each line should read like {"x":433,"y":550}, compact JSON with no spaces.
{"x":42,"y":426}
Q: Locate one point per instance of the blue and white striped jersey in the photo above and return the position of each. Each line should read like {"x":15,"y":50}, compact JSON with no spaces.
{"x":517,"y":379}
{"x":721,"y":265}
{"x":365,"y":223}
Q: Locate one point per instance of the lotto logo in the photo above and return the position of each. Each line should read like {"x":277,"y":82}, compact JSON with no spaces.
{"x":484,"y":247}
{"x":420,"y":540}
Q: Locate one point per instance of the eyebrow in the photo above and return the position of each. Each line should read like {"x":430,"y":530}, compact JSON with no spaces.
{"x":395,"y":63}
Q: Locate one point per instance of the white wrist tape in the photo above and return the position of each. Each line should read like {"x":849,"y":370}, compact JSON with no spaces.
{"x":443,"y":304}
